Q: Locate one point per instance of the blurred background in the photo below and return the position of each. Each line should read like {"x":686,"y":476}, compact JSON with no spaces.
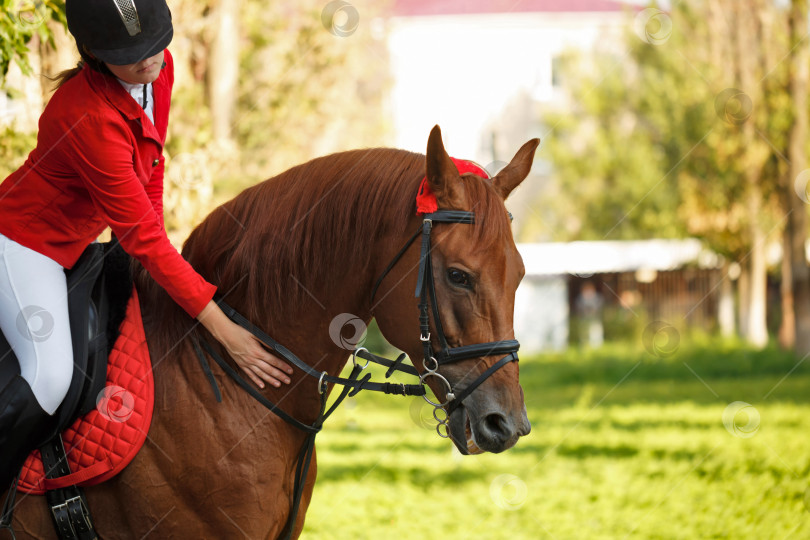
{"x":664,"y":318}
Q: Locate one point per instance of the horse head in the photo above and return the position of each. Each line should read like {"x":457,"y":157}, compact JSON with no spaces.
{"x":476,"y":269}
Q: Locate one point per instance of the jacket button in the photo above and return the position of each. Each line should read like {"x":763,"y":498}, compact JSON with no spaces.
{"x":156,"y":163}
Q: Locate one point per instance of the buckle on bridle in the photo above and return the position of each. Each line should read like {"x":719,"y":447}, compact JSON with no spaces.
{"x":423,"y":338}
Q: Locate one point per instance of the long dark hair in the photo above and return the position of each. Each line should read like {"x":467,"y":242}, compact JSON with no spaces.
{"x":87,"y":59}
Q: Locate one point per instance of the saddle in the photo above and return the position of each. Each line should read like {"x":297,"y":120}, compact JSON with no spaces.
{"x":99,"y":285}
{"x":99,"y":288}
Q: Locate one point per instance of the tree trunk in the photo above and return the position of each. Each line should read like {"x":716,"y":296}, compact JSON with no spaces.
{"x":757,"y":309}
{"x":744,"y":291}
{"x":796,"y":228}
{"x":748,"y":28}
{"x":787,"y":328}
{"x":725,"y":308}
{"x":223,"y":67}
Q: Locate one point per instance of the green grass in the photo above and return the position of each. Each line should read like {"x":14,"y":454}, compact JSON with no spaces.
{"x":623,"y":445}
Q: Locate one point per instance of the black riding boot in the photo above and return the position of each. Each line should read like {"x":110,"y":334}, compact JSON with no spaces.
{"x":23,"y":427}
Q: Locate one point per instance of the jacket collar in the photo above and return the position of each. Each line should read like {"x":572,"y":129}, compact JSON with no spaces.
{"x":115,"y":94}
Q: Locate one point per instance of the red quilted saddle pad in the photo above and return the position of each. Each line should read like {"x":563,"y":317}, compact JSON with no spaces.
{"x":105,"y":440}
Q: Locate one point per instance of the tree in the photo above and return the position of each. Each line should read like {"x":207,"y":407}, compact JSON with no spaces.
{"x":22,"y":21}
{"x":27,"y":29}
{"x":682,"y":136}
{"x":795,"y":275}
{"x":223,"y":72}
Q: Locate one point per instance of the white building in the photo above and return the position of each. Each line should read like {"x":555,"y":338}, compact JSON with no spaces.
{"x":542,"y":303}
{"x":478,"y":68}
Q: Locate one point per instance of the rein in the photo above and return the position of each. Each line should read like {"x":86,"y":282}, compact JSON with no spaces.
{"x":351,"y":386}
{"x":426,"y":291}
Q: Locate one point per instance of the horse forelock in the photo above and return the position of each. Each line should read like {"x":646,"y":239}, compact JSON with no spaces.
{"x":491,"y":219}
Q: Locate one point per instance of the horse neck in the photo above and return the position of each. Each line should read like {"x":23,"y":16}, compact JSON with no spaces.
{"x":273,"y":247}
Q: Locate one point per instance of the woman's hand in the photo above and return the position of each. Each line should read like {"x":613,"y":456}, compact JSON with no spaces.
{"x":245,"y":348}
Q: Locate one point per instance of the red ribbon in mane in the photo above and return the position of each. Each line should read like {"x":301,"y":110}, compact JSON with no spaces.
{"x":426,"y":200}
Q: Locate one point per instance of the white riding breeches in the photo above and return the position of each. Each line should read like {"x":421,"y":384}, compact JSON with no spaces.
{"x":34,"y":319}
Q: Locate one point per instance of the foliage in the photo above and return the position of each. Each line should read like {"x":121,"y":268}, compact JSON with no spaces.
{"x":302,"y":92}
{"x":14,"y":149}
{"x":309,"y":91}
{"x":618,"y":449}
{"x":656,"y":142}
{"x":604,"y":155}
{"x":22,"y":20}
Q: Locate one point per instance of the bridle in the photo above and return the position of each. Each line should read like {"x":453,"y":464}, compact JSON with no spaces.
{"x":426,"y":291}
{"x":432,"y":361}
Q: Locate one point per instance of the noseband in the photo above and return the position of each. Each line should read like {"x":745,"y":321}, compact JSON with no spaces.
{"x":426,"y":291}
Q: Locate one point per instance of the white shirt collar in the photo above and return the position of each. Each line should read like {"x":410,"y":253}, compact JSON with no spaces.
{"x":136,"y":91}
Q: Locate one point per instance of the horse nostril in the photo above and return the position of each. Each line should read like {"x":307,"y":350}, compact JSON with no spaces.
{"x":497,"y":426}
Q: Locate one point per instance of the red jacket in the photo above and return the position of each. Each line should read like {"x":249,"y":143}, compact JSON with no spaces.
{"x":98,"y":163}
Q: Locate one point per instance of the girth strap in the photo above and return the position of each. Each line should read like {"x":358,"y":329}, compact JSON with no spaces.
{"x":68,"y":505}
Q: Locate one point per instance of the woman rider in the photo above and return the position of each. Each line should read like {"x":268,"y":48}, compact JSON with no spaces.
{"x":98,"y":163}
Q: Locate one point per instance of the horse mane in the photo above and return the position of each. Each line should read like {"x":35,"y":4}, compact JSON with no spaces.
{"x":276,"y":242}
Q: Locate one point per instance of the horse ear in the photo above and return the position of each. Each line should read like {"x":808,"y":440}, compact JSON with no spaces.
{"x":442,"y":174}
{"x":518,"y":169}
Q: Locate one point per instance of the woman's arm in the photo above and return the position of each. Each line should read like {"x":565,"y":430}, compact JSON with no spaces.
{"x":245,"y":348}
{"x":102,"y":157}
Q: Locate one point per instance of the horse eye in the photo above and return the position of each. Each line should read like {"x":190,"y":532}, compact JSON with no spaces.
{"x":457,"y":277}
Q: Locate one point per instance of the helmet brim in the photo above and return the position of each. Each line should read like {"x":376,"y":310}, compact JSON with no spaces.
{"x":136,"y":53}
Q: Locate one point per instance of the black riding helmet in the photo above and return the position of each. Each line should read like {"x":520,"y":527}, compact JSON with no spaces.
{"x":120,"y":32}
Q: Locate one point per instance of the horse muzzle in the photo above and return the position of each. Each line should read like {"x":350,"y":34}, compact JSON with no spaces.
{"x":493,"y":431}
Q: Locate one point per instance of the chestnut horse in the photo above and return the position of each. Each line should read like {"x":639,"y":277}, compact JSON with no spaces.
{"x":292,"y":254}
